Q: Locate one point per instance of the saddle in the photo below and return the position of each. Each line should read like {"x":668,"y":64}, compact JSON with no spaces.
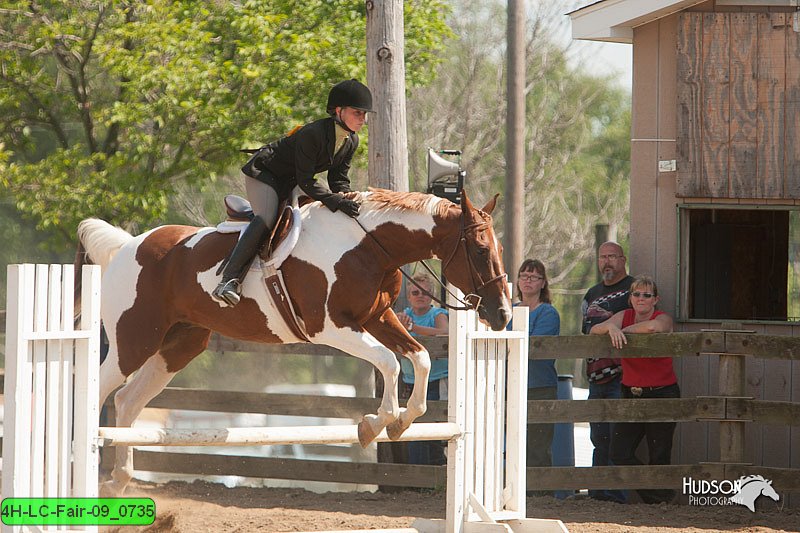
{"x":286,"y":231}
{"x":239,"y":210}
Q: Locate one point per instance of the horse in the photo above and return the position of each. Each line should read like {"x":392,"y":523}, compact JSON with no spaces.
{"x":342,"y":277}
{"x":752,"y":487}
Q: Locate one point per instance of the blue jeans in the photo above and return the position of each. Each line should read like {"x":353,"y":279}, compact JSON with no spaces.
{"x":600,"y":434}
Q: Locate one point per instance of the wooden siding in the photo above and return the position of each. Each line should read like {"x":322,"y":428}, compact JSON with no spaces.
{"x":668,"y":76}
{"x":738,"y":92}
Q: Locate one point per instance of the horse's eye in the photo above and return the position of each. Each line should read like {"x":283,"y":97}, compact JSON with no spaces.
{"x":482,"y":251}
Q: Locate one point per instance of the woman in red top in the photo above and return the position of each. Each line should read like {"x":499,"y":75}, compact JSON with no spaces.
{"x":643,"y":377}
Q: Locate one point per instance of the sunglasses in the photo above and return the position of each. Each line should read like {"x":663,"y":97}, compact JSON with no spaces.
{"x":416,"y":292}
{"x":638,"y":294}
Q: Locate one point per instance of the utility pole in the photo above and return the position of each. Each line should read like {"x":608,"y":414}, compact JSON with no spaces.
{"x":388,"y":139}
{"x":386,"y":78}
{"x":515,"y":136}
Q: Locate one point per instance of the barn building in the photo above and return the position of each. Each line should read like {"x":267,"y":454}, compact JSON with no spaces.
{"x":715,"y":187}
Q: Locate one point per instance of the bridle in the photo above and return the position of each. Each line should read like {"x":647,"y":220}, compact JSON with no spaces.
{"x":471,"y":301}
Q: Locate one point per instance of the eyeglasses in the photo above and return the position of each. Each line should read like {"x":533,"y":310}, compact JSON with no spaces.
{"x":416,"y":292}
{"x":530,"y":277}
{"x":609,"y":257}
{"x":638,"y":294}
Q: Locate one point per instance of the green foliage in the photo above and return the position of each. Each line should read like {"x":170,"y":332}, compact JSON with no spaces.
{"x":107,"y":107}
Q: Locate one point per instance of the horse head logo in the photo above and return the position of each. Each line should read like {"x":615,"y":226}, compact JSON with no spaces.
{"x":751,"y":487}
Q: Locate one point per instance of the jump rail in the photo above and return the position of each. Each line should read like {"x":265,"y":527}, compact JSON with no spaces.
{"x":52,"y":371}
{"x":266,"y":435}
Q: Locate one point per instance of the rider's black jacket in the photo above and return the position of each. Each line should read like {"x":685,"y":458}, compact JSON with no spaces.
{"x":297,"y":158}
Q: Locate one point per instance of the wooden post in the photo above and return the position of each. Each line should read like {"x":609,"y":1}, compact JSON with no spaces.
{"x":386,"y":75}
{"x":514,"y":212}
{"x":731,"y":383}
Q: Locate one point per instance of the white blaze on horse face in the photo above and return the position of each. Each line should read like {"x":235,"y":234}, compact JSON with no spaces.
{"x":507,"y":289}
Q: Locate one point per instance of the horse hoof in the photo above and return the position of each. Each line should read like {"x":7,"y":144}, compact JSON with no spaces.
{"x":365,"y":433}
{"x":395,"y":430}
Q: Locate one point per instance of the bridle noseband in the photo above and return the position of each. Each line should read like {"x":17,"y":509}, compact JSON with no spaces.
{"x":471,"y":301}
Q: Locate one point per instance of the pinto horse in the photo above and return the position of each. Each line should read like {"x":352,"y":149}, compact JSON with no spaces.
{"x":342,"y":278}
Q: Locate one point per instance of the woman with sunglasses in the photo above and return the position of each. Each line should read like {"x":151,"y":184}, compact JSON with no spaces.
{"x":422,"y":318}
{"x":533,"y":291}
{"x":643,"y":377}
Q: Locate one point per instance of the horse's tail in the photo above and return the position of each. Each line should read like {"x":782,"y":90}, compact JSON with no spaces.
{"x":98,"y":243}
{"x":101,"y":241}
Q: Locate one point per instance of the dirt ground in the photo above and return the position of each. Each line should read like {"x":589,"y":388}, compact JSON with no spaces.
{"x":201,"y":506}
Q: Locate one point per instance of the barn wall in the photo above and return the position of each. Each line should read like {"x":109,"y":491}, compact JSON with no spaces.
{"x":654,"y":241}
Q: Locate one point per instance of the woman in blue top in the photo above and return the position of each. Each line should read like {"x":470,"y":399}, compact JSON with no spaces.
{"x":533,"y":290}
{"x":422,"y":318}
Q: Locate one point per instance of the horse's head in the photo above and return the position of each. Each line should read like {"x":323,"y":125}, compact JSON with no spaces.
{"x":475,"y":264}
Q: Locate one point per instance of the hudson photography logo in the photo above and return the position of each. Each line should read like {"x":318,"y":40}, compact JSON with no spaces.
{"x":743,"y":491}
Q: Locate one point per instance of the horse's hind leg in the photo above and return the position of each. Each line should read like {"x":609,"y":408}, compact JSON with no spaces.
{"x":129,"y":402}
{"x":110,"y":375}
{"x":182,"y":343}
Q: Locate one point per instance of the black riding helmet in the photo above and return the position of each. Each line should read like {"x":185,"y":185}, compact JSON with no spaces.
{"x":349,"y":93}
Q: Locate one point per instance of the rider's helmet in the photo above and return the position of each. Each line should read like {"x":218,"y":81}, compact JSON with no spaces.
{"x":349,"y":93}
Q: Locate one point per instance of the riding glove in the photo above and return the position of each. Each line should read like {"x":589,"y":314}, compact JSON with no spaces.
{"x":337,"y":202}
{"x":349,"y":207}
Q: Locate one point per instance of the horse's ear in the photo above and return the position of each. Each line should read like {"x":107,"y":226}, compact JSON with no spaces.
{"x":466,"y":205}
{"x":490,"y":205}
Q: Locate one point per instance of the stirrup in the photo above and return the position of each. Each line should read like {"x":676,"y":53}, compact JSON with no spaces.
{"x":228,"y":292}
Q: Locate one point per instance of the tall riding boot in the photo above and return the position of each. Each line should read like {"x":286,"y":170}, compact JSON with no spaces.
{"x":229,"y":289}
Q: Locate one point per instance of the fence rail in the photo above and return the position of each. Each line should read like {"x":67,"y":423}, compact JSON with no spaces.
{"x":732,"y":409}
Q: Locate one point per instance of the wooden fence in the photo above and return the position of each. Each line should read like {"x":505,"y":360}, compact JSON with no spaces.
{"x":730,"y":409}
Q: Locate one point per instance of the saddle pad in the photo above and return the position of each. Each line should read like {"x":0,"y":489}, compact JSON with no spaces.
{"x":232,"y":226}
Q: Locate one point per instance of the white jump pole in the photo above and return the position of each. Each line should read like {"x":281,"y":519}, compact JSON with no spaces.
{"x":266,"y":435}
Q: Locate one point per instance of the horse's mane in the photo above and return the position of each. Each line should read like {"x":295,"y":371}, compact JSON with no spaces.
{"x":382,"y":199}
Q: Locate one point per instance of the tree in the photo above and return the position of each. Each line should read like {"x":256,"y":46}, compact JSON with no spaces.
{"x":577,"y":135}
{"x":106,"y":108}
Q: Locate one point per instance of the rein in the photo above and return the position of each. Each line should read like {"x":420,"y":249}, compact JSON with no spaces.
{"x":471,"y":301}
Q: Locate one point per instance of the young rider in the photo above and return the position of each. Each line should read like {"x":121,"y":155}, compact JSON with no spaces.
{"x":296,"y":159}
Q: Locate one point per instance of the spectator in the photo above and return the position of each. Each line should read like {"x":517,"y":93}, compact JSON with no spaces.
{"x":600,"y":303}
{"x":643,"y":377}
{"x":533,"y":290}
{"x":422,"y":318}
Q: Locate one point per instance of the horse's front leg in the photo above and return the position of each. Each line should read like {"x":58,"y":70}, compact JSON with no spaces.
{"x":365,"y":346}
{"x":388,"y":329}
{"x":417,"y":405}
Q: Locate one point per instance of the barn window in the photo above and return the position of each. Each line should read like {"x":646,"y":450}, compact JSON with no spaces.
{"x":740,"y":264}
